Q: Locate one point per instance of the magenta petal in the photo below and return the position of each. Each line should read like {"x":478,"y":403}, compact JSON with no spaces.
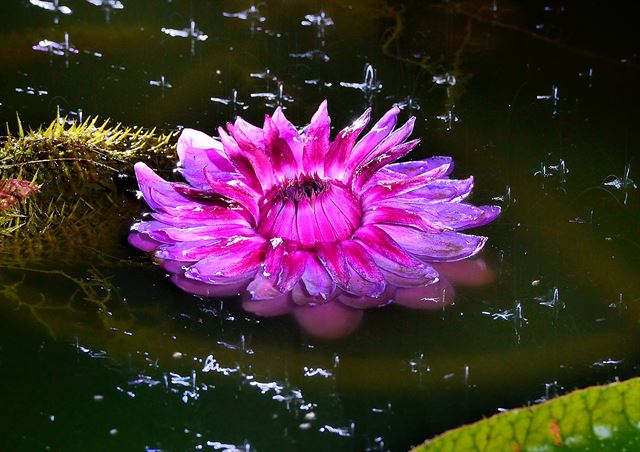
{"x":366,"y":171}
{"x":254,"y":154}
{"x":400,"y":187}
{"x":188,"y":251}
{"x":439,"y":190}
{"x":236,"y":191}
{"x":293,"y":267}
{"x":391,"y":215}
{"x":308,"y":230}
{"x":398,"y":267}
{"x":459,"y":216}
{"x":231,"y":260}
{"x":411,"y":169}
{"x":208,"y":290}
{"x":254,"y":134}
{"x":199,"y":216}
{"x":316,"y":141}
{"x":364,"y":302}
{"x":436,"y":247}
{"x":340,"y":149}
{"x":158,"y":193}
{"x":328,"y":321}
{"x":284,"y":162}
{"x":270,"y":307}
{"x":262,"y":288}
{"x":373,"y":138}
{"x":273,"y":258}
{"x":289,"y":133}
{"x":197,"y":150}
{"x":332,"y":258}
{"x":239,"y":160}
{"x":142,"y":242}
{"x":367,"y":280}
{"x":164,"y":233}
{"x":317,"y":280}
{"x":338,"y":222}
{"x":285,"y":225}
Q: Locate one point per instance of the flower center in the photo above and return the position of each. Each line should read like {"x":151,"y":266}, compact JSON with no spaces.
{"x":308,"y":211}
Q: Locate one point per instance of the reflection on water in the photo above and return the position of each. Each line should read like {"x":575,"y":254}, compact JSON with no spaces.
{"x":100,"y":350}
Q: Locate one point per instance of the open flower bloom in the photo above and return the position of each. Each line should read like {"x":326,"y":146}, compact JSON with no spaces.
{"x":277,"y":210}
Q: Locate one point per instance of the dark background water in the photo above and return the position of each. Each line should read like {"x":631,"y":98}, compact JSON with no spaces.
{"x":128,"y":372}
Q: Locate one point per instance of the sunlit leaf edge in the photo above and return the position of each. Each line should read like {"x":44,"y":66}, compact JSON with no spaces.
{"x":594,"y":415}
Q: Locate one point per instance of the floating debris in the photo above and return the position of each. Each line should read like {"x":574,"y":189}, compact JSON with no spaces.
{"x":444,"y":79}
{"x":553,"y":97}
{"x":108,"y":6}
{"x":252,"y":14}
{"x":449,"y":118}
{"x":232,"y":101}
{"x":319,"y":21}
{"x":408,"y":103}
{"x":192,"y":32}
{"x":623,"y":183}
{"x":276,"y":99}
{"x":162,"y":83}
{"x":63,"y":48}
{"x":559,"y":170}
{"x":316,"y":54}
{"x":54,"y":6}
{"x":32,"y":91}
{"x":370,"y":85}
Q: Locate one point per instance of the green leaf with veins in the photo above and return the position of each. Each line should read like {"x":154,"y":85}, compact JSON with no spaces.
{"x":596,"y":418}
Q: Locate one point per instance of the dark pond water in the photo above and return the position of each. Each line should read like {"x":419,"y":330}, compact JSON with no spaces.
{"x":99,"y":351}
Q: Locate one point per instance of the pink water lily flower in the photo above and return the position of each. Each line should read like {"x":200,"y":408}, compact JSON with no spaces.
{"x":275,"y":208}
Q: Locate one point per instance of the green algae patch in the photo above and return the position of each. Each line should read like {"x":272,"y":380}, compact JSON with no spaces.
{"x":596,"y":418}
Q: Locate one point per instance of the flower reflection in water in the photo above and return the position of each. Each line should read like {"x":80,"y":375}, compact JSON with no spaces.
{"x":342,"y":313}
{"x":296,"y":222}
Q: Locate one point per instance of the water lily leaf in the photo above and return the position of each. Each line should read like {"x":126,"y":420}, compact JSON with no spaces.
{"x":596,"y":418}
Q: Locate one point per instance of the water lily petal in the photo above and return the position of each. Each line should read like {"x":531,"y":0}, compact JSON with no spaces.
{"x":372,"y":139}
{"x":236,"y":191}
{"x":197,"y":150}
{"x":254,"y":153}
{"x":342,"y":146}
{"x":239,"y":160}
{"x":289,"y":133}
{"x":316,"y":141}
{"x":285,"y":165}
{"x":400,"y":187}
{"x":392,"y":215}
{"x":208,"y":290}
{"x":142,"y":242}
{"x":365,"y":277}
{"x":333,"y":260}
{"x":459,"y":216}
{"x":411,"y":169}
{"x":317,"y":280}
{"x":228,"y":261}
{"x":364,"y":172}
{"x":293,"y":267}
{"x":435,"y":247}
